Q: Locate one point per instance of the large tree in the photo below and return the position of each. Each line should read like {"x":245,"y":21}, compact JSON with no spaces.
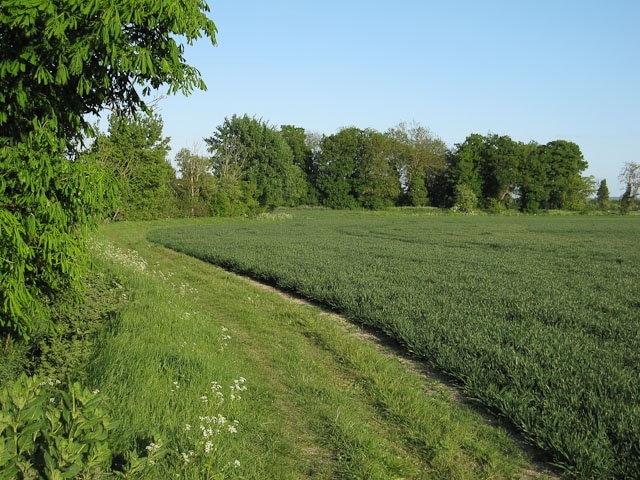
{"x":630,"y":177}
{"x":376,"y":183}
{"x":355,"y":169}
{"x":419,"y":158}
{"x":465,"y":163}
{"x":303,"y":157}
{"x":498,"y":170}
{"x":61,"y":60}
{"x":565,"y":164}
{"x":534,"y":173}
{"x":501,"y":168}
{"x":195,"y":171}
{"x":261,"y":157}
{"x":602,"y":195}
{"x":335,"y":167}
{"x":135,"y":150}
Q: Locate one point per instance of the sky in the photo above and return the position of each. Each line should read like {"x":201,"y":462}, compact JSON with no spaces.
{"x":538,"y":70}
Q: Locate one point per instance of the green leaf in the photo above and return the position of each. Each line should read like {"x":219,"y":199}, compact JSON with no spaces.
{"x":50,"y":463}
{"x":73,"y":470}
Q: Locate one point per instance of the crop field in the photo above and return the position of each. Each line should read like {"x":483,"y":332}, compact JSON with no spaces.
{"x":535,"y":317}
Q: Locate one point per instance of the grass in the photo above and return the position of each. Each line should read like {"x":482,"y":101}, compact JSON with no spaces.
{"x":536,"y":317}
{"x":319,"y":401}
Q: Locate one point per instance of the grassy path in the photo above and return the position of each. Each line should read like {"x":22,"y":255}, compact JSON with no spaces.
{"x":317,"y":400}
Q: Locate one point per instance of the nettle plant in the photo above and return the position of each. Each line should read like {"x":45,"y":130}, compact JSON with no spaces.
{"x":51,"y":432}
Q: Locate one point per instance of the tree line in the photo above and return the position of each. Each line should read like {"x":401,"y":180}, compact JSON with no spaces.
{"x":64,"y":60}
{"x":251,"y":166}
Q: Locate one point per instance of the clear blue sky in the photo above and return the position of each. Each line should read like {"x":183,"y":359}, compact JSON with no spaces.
{"x":532,"y":69}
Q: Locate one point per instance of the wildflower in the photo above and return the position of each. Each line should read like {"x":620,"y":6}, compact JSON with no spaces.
{"x":187,"y":427}
{"x":204,"y":399}
{"x":236,"y":464}
{"x":232,"y":429}
{"x":207,"y":447}
{"x":153,"y":447}
{"x":96,"y":391}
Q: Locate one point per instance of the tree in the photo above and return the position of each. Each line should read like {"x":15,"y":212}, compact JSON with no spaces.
{"x":489,"y":166}
{"x":335,"y":164}
{"x":602,"y":195}
{"x":355,"y":169}
{"x":465,"y":164}
{"x":501,"y":168}
{"x":630,"y":176}
{"x":533,"y":187}
{"x":579,"y":190}
{"x":565,"y":164}
{"x":231,"y":195}
{"x":136,"y":152}
{"x":303,"y":157}
{"x":193,"y":168}
{"x":262,"y":157}
{"x":60,"y":61}
{"x":375,"y":182}
{"x":419,"y":158}
{"x":626,"y":201}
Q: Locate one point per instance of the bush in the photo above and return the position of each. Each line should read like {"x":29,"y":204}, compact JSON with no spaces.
{"x":465,"y":200}
{"x":54,"y":433}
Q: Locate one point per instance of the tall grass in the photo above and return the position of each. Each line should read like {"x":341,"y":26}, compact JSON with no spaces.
{"x":536,"y":317}
{"x":319,"y":402}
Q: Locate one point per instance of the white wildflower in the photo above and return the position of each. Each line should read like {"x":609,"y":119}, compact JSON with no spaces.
{"x":153,"y":447}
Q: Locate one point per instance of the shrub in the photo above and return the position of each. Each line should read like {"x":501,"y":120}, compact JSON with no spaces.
{"x":49,"y":432}
{"x":465,"y":199}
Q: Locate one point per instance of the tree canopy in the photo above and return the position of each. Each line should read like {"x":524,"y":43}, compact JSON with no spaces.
{"x":135,"y":151}
{"x":61,"y":61}
{"x":260,"y":156}
{"x":501,"y":171}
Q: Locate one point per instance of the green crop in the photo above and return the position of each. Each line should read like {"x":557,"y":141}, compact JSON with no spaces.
{"x":535,"y":317}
